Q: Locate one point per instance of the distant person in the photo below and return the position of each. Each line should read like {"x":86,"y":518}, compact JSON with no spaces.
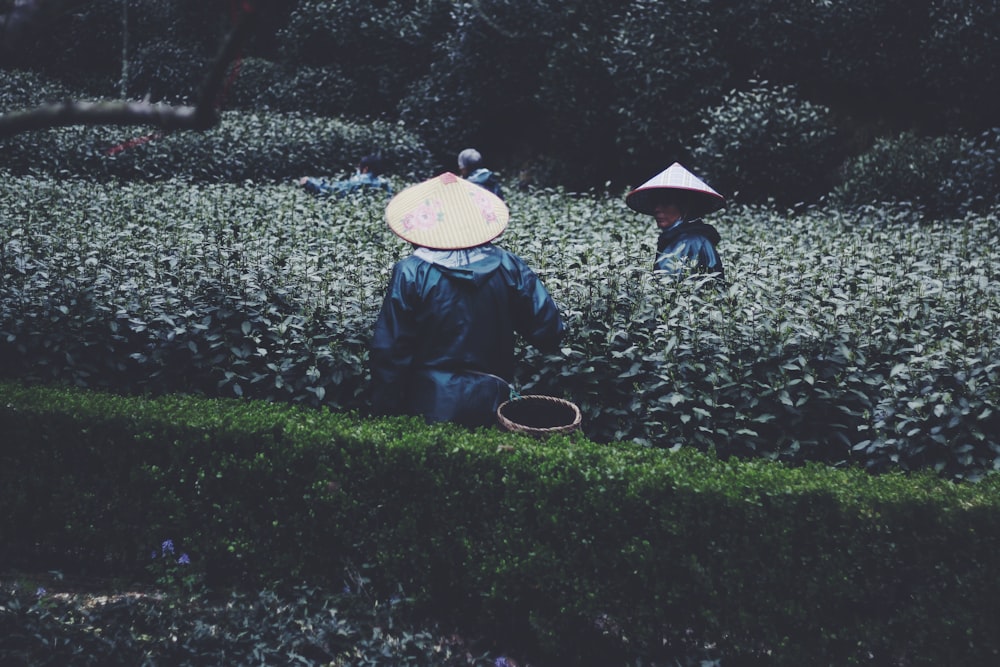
{"x":470,"y":166}
{"x":443,"y":343}
{"x":677,"y":199}
{"x":367,"y":177}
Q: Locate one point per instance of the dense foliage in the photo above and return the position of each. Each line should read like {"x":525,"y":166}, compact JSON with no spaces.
{"x":264,"y":146}
{"x":577,"y":93}
{"x":864,"y":338}
{"x":41,"y":625}
{"x":585,"y":554}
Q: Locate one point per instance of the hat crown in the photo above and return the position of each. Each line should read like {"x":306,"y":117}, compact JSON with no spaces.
{"x":676,"y":176}
{"x":702,"y":198}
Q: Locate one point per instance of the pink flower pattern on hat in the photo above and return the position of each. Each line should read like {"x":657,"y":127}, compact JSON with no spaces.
{"x":485,"y":206}
{"x":446,"y":213}
{"x":424,"y":217}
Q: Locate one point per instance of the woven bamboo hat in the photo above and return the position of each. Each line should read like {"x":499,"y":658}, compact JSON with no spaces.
{"x":699,"y":198}
{"x":447,"y":213}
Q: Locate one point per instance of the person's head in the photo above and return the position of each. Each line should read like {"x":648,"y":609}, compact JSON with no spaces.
{"x":469,"y":160}
{"x":371,"y":164}
{"x":668,"y":208}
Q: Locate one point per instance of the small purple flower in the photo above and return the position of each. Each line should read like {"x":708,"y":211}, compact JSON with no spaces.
{"x":40,"y":592}
{"x":167,"y":547}
{"x":347,"y":589}
{"x":153,"y":554}
{"x":184,"y":560}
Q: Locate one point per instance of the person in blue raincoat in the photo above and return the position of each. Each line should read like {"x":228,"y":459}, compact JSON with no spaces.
{"x":470,"y":166}
{"x":677,"y":199}
{"x":367,"y":177}
{"x":443,"y":343}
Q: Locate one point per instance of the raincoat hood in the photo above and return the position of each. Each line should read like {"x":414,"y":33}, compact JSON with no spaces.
{"x":475,"y":265}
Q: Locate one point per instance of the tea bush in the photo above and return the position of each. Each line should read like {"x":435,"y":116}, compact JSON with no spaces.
{"x":163,"y":71}
{"x":584,"y":92}
{"x":263,"y":85}
{"x":579,"y":552}
{"x":257,"y":147}
{"x":308,"y":625}
{"x":22,"y":89}
{"x":767,"y":143}
{"x":947,"y":176}
{"x":864,"y":337}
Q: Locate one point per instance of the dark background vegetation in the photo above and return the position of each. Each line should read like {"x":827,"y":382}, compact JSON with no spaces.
{"x":783,"y":100}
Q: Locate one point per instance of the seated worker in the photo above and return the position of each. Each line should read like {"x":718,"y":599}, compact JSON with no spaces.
{"x":470,"y":166}
{"x":443,"y":343}
{"x":367,"y":176}
{"x":677,"y":199}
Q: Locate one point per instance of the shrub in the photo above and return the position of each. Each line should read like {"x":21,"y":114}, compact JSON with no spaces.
{"x":312,"y":625}
{"x":22,"y":89}
{"x":263,"y":85}
{"x":948,"y":176}
{"x":163,"y":71}
{"x":380,"y":49}
{"x":244,"y":146}
{"x":956,"y":55}
{"x":587,"y":554}
{"x":82,"y":42}
{"x":668,"y":63}
{"x":252,"y":88}
{"x":766,"y":143}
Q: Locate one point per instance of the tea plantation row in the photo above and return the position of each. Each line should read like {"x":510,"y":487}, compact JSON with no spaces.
{"x":578,"y":553}
{"x":848,"y":338}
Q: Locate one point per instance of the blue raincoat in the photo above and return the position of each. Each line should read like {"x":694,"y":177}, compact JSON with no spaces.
{"x":687,"y":243}
{"x":485,"y":178}
{"x":443,"y":344}
{"x":359,"y":181}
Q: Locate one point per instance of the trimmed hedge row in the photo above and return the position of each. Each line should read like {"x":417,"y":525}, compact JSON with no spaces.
{"x":260,"y":146}
{"x":591,"y":551}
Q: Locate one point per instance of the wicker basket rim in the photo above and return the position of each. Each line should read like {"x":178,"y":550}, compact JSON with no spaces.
{"x":514,"y":426}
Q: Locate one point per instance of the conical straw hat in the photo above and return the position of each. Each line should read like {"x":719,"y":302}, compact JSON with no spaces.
{"x":700,"y":198}
{"x":447,"y":213}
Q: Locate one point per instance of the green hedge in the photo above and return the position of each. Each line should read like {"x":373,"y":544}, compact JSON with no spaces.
{"x":587,"y":550}
{"x":259,"y":147}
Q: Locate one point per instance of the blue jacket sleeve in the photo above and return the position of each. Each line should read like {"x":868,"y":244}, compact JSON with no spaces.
{"x":319,"y":186}
{"x":536,"y":315}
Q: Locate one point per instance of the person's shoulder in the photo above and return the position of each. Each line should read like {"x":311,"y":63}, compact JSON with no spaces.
{"x":697,"y":229}
{"x":410,"y":265}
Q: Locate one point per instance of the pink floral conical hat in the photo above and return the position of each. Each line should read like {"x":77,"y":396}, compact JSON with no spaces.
{"x":699,"y":197}
{"x":447,"y":213}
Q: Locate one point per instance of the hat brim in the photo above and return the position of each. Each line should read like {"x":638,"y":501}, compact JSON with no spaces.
{"x":677,"y":183}
{"x":696,"y":202}
{"x":447,"y":213}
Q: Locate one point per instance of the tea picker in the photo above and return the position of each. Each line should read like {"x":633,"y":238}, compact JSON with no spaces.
{"x":677,"y":199}
{"x":443,"y":342}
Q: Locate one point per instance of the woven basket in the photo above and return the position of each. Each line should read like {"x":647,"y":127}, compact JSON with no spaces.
{"x":539,"y":415}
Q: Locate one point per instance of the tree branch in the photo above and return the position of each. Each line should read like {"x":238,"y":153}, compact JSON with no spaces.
{"x":164,"y":116}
